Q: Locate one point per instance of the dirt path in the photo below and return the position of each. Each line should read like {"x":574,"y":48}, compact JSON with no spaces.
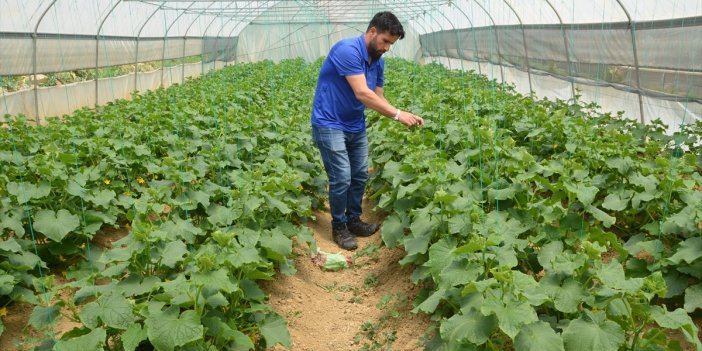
{"x":366,"y":307}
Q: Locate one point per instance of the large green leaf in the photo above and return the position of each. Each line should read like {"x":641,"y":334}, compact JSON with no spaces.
{"x":688,"y":251}
{"x":93,"y":341}
{"x":26,"y":191}
{"x":538,"y":336}
{"x":512,"y":316}
{"x":55,"y":225}
{"x":173,"y":253}
{"x":677,"y":319}
{"x":581,"y":335}
{"x":167,"y":330}
{"x":133,"y":336}
{"x":113,"y":309}
{"x":275,"y":331}
{"x":43,"y":316}
{"x":393,"y":230}
{"x":693,"y":298}
{"x":429,"y":305}
{"x":469,"y":327}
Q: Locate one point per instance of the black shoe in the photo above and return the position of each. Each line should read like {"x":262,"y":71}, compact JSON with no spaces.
{"x":360,"y":228}
{"x":343,"y":237}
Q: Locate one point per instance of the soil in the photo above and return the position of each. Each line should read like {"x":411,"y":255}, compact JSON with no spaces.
{"x":364,"y":307}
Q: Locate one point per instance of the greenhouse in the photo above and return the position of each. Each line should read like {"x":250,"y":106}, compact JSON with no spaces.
{"x":351,"y":175}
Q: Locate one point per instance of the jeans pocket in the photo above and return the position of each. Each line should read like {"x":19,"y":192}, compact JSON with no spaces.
{"x":329,"y":139}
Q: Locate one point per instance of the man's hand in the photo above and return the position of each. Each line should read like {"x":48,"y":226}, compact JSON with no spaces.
{"x":411,"y":120}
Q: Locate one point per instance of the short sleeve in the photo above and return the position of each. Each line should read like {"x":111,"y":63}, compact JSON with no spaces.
{"x":347,"y":60}
{"x":381,"y":73}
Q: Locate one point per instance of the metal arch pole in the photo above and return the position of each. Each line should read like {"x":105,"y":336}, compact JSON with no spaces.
{"x":34,"y":61}
{"x":186,"y":34}
{"x":526,"y":52}
{"x":234,"y":28}
{"x":632,"y":30}
{"x":565,"y":45}
{"x":208,"y":28}
{"x":497,"y":40}
{"x":165,"y":38}
{"x":475,"y":40}
{"x":136,"y":56}
{"x":97,"y":48}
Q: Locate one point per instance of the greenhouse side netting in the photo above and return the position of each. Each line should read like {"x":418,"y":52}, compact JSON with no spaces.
{"x":534,"y":214}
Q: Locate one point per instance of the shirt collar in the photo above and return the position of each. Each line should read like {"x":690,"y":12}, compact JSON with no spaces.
{"x":364,"y":49}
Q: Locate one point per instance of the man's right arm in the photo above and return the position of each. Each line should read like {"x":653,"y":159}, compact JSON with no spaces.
{"x":373,"y":101}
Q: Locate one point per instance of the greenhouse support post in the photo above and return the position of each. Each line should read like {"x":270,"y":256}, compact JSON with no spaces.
{"x":632,"y":30}
{"x":565,"y":45}
{"x":165,"y":39}
{"x":526,"y":52}
{"x":136,"y":55}
{"x":34,"y":62}
{"x":97,"y":49}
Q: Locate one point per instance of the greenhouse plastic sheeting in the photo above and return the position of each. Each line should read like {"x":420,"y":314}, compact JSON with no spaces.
{"x":70,"y":97}
{"x":640,"y":56}
{"x":309,"y":41}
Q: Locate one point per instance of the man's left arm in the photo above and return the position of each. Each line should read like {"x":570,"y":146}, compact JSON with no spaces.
{"x":379,"y":91}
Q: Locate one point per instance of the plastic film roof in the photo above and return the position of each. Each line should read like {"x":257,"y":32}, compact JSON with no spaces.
{"x":141,"y":18}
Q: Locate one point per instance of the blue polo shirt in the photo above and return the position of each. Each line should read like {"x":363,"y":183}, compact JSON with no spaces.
{"x":335,"y":105}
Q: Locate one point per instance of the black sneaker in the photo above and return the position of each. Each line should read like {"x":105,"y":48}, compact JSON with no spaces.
{"x":343,"y":237}
{"x":360,"y":228}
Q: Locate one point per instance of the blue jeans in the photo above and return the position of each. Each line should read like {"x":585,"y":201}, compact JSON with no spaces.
{"x":345,"y":158}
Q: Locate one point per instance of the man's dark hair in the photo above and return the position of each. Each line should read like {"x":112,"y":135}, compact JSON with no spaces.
{"x":386,"y":21}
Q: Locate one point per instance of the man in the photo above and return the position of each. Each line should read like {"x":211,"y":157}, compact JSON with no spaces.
{"x":351,"y":79}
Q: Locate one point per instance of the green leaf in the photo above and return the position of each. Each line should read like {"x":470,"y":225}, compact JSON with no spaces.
{"x":393,"y":230}
{"x":218,"y":279}
{"x":26,"y":191}
{"x":615,"y":202}
{"x":113,"y":309}
{"x":173,"y":253}
{"x":55,"y":225}
{"x":511,"y":317}
{"x":43,"y":316}
{"x":677,"y":319}
{"x":277,"y":244}
{"x":216,"y":327}
{"x":133,"y":336}
{"x":569,"y":296}
{"x":10,"y":245}
{"x":688,"y":251}
{"x":538,"y":336}
{"x":586,"y":194}
{"x":601,"y":216}
{"x":429,"y":305}
{"x":220,"y":215}
{"x":581,"y":335}
{"x":167,"y":330}
{"x":92,"y":341}
{"x":471,"y":326}
{"x":612,"y":276}
{"x":275,"y":203}
{"x":548,"y":253}
{"x":275,"y":331}
{"x":102,"y":198}
{"x":693,"y":298}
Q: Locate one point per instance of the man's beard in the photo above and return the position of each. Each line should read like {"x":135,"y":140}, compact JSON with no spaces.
{"x":373,"y":52}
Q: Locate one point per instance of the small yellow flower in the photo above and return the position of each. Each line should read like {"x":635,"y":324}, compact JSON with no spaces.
{"x":107,"y":181}
{"x":155,"y":176}
{"x":3,"y":312}
{"x":140,"y":180}
{"x":62,"y":259}
{"x":82,"y":246}
{"x":127,"y":193}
